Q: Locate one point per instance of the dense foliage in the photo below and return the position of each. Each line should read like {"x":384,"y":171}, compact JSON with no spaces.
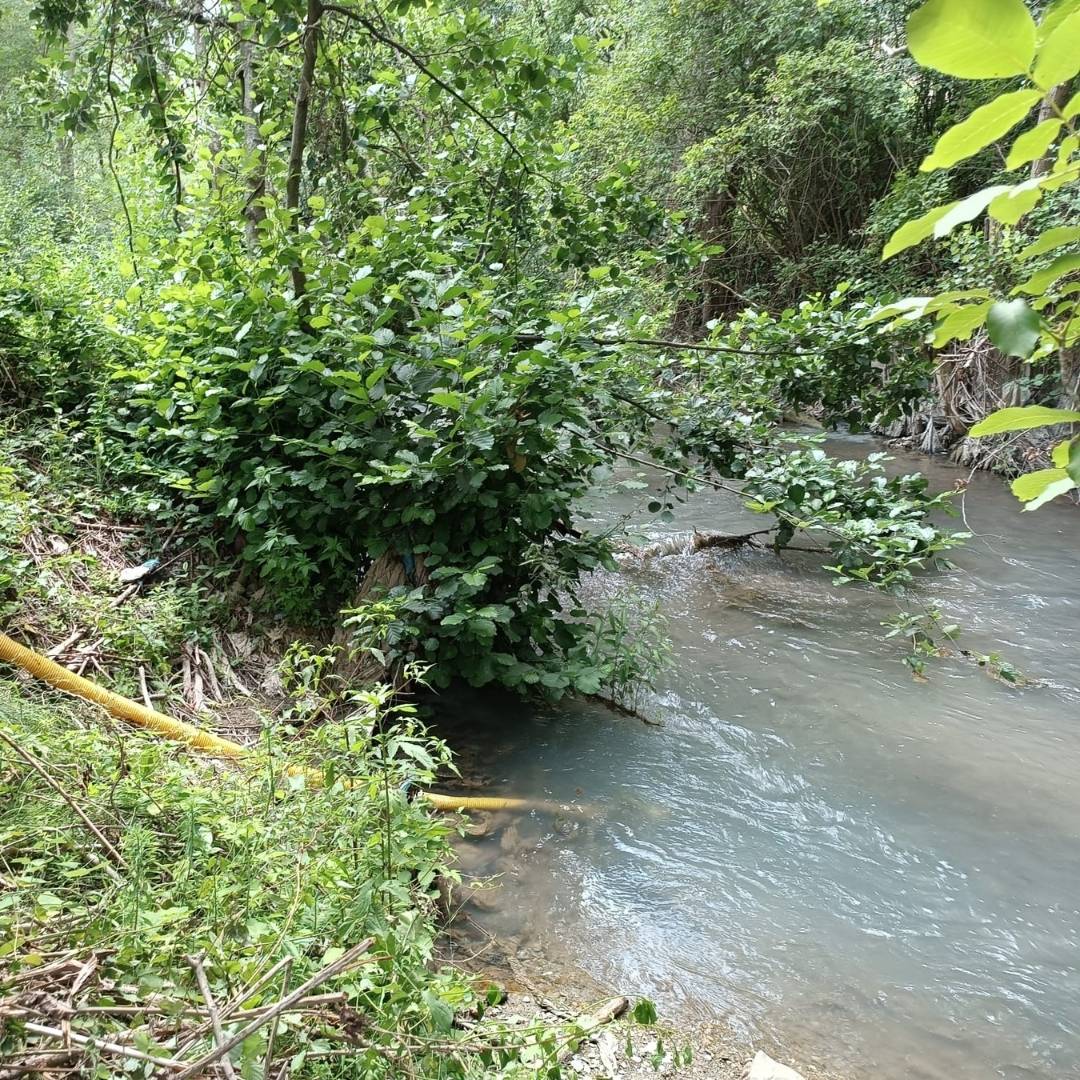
{"x":360,"y":301}
{"x":392,"y":320}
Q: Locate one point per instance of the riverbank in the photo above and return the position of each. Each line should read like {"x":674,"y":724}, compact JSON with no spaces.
{"x":544,"y":986}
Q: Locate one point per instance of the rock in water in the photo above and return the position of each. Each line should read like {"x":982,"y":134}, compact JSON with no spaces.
{"x":764,"y":1068}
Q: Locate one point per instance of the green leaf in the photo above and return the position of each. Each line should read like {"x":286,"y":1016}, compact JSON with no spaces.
{"x":1041,"y":280}
{"x":1021,"y":419}
{"x":1011,"y":205}
{"x":914,"y":232}
{"x":644,"y":1012}
{"x":1040,"y":487}
{"x":1032,"y":144}
{"x":1061,"y":453}
{"x":1013,"y":327}
{"x":960,"y":323}
{"x":1051,"y":239}
{"x":1059,"y":55}
{"x":1073,"y":467}
{"x":1072,"y":106}
{"x":984,"y":126}
{"x":447,"y":398}
{"x":966,"y":209}
{"x":973,"y":39}
{"x":915,"y":307}
{"x":1032,"y":485}
{"x":442,"y":1016}
{"x":1056,"y":14}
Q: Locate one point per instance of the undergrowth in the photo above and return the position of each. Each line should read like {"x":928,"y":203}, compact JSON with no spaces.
{"x":241,"y":868}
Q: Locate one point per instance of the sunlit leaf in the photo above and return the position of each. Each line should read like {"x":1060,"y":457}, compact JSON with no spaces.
{"x":1056,"y":13}
{"x":1051,"y":239}
{"x":1021,"y":419}
{"x":914,"y":232}
{"x":968,"y":209}
{"x":973,"y":39}
{"x":985,"y":125}
{"x":1059,"y":55}
{"x":1038,"y":488}
{"x":1010,"y":206}
{"x":1041,"y":280}
{"x":1034,"y":143}
{"x":960,"y":324}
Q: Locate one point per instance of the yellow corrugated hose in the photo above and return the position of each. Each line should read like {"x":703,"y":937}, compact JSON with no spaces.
{"x":58,"y":676}
{"x":41,"y":667}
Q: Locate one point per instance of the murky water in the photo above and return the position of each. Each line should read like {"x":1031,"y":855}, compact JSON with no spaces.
{"x":878,"y":875}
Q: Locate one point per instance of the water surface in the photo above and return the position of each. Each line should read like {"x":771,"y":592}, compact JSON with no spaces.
{"x":881,"y":875}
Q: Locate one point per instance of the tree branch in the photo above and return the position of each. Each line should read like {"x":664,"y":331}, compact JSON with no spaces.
{"x":404,"y":50}
{"x":299,"y":131}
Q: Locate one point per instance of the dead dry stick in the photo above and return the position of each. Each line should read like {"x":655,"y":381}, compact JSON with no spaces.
{"x":102,"y":1044}
{"x":611,"y":1009}
{"x":308,"y":1004}
{"x":215,"y":1019}
{"x":77,"y":810}
{"x":232,"y":1004}
{"x":341,"y":964}
{"x":269,"y":1059}
{"x":64,"y":645}
{"x":211,"y":674}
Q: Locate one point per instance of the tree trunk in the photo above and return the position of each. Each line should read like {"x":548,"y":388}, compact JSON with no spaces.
{"x":299,"y":130}
{"x":1051,"y":104}
{"x":256,"y":163}
{"x":1069,"y":370}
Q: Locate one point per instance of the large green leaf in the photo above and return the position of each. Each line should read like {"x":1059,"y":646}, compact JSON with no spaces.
{"x":1051,"y":239}
{"x":915,"y":307}
{"x":1032,"y":485}
{"x":1032,"y":144}
{"x":1020,"y":419}
{"x":1059,"y":56}
{"x":960,"y":323}
{"x":1073,"y":466}
{"x":1056,"y":14}
{"x":1040,"y":487}
{"x":973,"y":39}
{"x":1010,"y":206}
{"x":1013,"y":327}
{"x":1061,"y":453}
{"x":967,"y":209}
{"x":914,"y":232}
{"x":1041,"y":280}
{"x":985,"y":125}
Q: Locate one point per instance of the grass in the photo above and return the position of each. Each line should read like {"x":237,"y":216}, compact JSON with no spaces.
{"x":187,"y":858}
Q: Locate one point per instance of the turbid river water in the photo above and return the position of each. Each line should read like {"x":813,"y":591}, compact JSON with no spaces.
{"x":873,"y":874}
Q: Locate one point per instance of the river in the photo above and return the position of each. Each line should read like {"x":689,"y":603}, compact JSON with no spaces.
{"x":864,"y":871}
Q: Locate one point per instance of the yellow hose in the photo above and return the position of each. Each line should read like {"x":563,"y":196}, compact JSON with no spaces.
{"x":477,"y":802}
{"x":58,"y":676}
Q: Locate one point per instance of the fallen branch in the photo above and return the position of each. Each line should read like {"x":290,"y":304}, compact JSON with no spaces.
{"x":102,"y":1044}
{"x":211,"y":1008}
{"x":611,"y":1009}
{"x":680,"y":544}
{"x":336,"y":968}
